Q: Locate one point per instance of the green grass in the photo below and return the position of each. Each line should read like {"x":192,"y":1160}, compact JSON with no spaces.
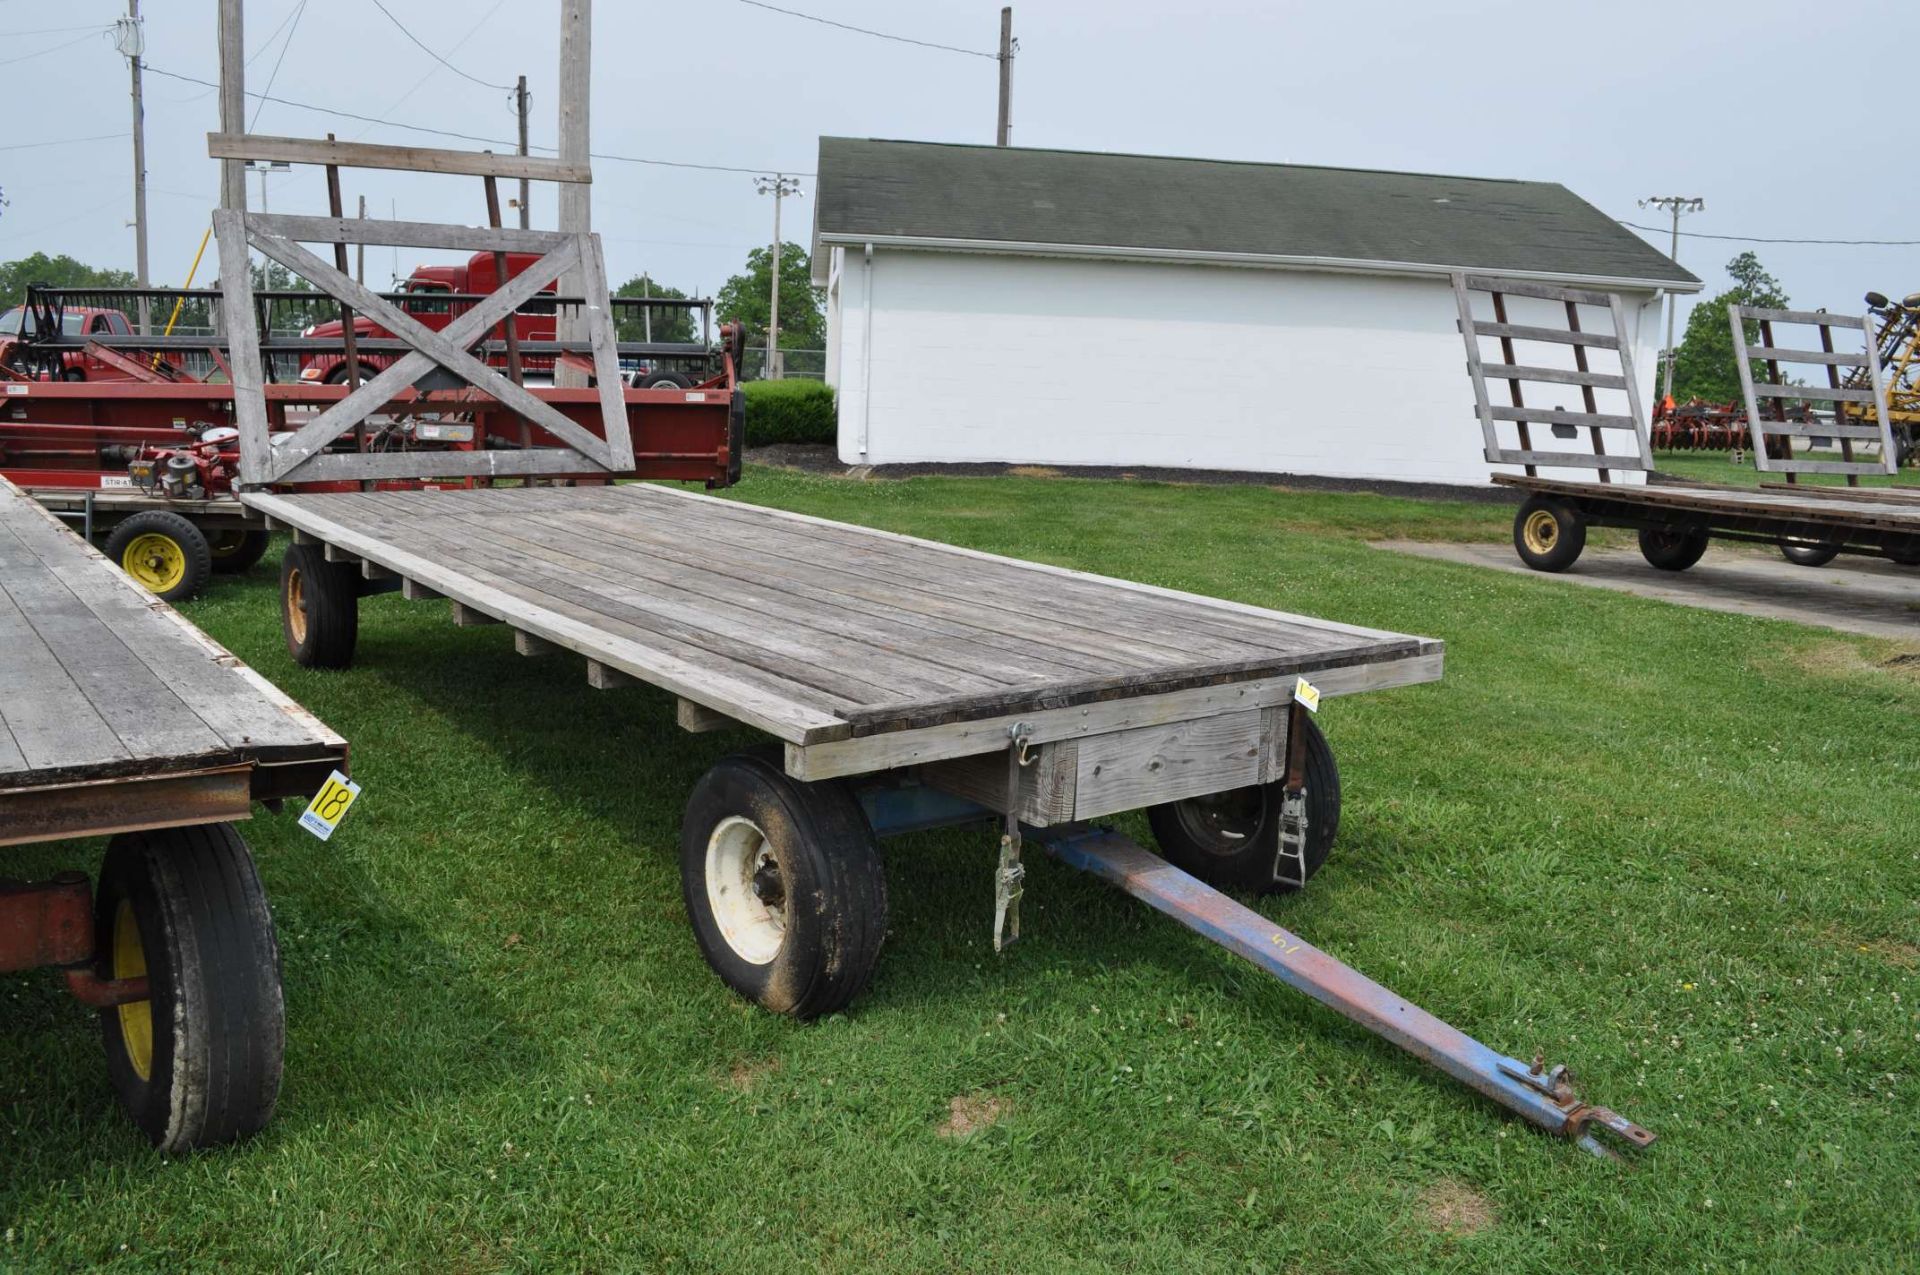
{"x":1718,"y":467}
{"x":1676,"y":849}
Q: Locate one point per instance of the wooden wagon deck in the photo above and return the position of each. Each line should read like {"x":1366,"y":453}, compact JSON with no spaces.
{"x":1810,"y":508}
{"x":860,"y":649}
{"x":117,"y":713}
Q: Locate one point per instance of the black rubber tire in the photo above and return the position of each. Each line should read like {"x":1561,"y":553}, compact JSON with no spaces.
{"x":1241,"y":857}
{"x":236,"y":550}
{"x":832,"y":879}
{"x":192,"y":543}
{"x":664,"y":381}
{"x":217,"y":1023}
{"x":1808,"y":555}
{"x":1544,"y":545}
{"x":1673,"y":550}
{"x":339,"y":374}
{"x":1907,"y":557}
{"x":319,"y":608}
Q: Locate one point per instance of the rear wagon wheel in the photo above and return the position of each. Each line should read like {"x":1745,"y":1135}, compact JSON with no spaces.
{"x":234,"y":549}
{"x":1673,"y":548}
{"x":197,"y":1063}
{"x":784,"y":886}
{"x":319,"y":608}
{"x":1808,"y":553}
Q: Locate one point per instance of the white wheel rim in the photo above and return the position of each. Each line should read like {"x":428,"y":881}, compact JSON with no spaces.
{"x":754,"y":928}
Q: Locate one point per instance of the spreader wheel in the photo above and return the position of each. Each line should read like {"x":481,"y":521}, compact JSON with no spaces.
{"x":235,"y":549}
{"x":198,"y":1063}
{"x":1231,"y":840}
{"x":1672,"y":548}
{"x":319,"y":608}
{"x":1548,"y":534}
{"x":164,"y":553}
{"x":784,"y":886}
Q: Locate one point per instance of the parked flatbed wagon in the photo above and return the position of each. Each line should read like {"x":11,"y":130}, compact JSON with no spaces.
{"x":119,"y":718}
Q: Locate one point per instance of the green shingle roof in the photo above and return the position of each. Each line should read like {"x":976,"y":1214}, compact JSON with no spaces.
{"x":889,"y":190}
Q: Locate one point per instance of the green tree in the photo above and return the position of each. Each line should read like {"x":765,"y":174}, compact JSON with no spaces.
{"x":62,"y":272}
{"x":745,"y":298}
{"x":1703,"y":366}
{"x":673,"y":324}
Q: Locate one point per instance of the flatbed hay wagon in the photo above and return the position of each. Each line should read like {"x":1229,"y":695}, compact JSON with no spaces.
{"x":1677,"y":518}
{"x":120,"y":719}
{"x":904,"y":684}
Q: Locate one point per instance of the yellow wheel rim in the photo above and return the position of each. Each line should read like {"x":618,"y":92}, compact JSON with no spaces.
{"x":136,"y":1019}
{"x":156,"y":561}
{"x":296,"y":606}
{"x":1541,"y":531}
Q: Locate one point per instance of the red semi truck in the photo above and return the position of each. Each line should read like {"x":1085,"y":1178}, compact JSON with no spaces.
{"x":436,"y":295}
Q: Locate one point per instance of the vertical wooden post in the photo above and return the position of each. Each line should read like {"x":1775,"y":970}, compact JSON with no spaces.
{"x":233,"y":101}
{"x":576,"y":216}
{"x":526,"y":187}
{"x":1586,"y":391}
{"x":1513,"y":386}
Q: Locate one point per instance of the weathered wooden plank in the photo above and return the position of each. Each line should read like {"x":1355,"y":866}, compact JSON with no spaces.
{"x":1770,"y":504}
{"x":465,"y":617}
{"x":1635,"y":408}
{"x":404,"y":234}
{"x":1567,"y":460}
{"x":502,"y":463}
{"x":1821,"y":429}
{"x":529,"y":645}
{"x":243,"y":347}
{"x":1799,"y":466}
{"x":1554,"y":375}
{"x":413,"y":591}
{"x":1824,"y":318}
{"x":1538,"y":291}
{"x":419,"y":159}
{"x":1556,"y":336}
{"x":1476,"y":369}
{"x":868,"y":753}
{"x":1838,"y":358}
{"x":1046,"y":783}
{"x":1815,"y":393}
{"x":1131,"y":769}
{"x":53,"y":724}
{"x":602,"y":677}
{"x":1560,"y":416}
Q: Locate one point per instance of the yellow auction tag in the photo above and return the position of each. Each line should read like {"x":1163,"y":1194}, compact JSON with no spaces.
{"x":329,"y":806}
{"x":1306,"y":695}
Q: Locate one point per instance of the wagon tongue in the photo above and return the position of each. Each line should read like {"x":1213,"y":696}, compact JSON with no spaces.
{"x":1545,"y":1096}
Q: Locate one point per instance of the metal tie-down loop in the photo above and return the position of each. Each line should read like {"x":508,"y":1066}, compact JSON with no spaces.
{"x":1290,"y":859}
{"x":1009,"y":881}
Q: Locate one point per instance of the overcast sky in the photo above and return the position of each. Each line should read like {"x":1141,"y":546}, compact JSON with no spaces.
{"x":1616,"y":100}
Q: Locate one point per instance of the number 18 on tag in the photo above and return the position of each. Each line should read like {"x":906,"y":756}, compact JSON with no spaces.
{"x":329,"y":806}
{"x":1307,"y":695}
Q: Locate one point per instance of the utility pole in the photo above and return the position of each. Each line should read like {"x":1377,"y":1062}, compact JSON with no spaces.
{"x":576,"y":210}
{"x":779,"y":186}
{"x":1007,"y":45}
{"x":130,"y":36}
{"x":520,"y":109}
{"x":1678,"y":205}
{"x":233,"y":101}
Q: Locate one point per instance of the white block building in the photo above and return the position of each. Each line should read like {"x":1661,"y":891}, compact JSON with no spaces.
{"x":1066,"y":308}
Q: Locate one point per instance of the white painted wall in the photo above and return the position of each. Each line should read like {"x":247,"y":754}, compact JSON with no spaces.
{"x":1055,"y":361}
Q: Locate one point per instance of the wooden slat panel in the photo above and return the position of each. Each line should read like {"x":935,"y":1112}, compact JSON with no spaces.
{"x":420,"y":159}
{"x":1557,"y":336}
{"x":1560,"y":416}
{"x":1554,"y":375}
{"x":1798,"y":466}
{"x":1167,"y":763}
{"x":404,"y":234}
{"x":1825,"y":318}
{"x":1818,"y":429}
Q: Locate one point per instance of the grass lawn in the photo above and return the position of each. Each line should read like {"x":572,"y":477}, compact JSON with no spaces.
{"x":1718,"y":467}
{"x":1675,"y":849}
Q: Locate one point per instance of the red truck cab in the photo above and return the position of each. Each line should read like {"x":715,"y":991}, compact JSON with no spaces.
{"x":429,"y":290}
{"x":76,"y":365}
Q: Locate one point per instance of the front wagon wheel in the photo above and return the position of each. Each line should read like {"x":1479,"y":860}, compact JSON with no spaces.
{"x":783,"y":885}
{"x":1231,"y":840}
{"x":1548,"y":534}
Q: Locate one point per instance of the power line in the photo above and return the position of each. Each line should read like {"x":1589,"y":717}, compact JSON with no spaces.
{"x":433,"y":71}
{"x":9,"y":35}
{"x":56,"y":47}
{"x":275,"y":73}
{"x":879,"y":35}
{"x":505,"y":88}
{"x":66,"y":141}
{"x":151,"y":69}
{"x":1695,"y":234}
